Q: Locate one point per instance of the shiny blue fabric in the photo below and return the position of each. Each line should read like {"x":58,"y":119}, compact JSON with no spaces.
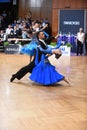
{"x":44,"y":73}
{"x":29,"y":49}
{"x":48,"y":51}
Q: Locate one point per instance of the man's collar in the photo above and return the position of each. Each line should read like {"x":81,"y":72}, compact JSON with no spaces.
{"x":41,"y":40}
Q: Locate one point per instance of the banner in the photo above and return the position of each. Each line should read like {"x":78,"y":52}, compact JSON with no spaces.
{"x":12,"y":49}
{"x":71,"y":21}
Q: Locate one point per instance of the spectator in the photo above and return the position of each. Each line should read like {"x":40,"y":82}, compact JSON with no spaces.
{"x":80,"y":41}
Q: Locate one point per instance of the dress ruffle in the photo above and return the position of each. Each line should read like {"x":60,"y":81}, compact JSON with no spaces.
{"x":29,"y":49}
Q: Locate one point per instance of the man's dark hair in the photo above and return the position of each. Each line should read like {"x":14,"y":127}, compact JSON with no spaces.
{"x":37,"y":34}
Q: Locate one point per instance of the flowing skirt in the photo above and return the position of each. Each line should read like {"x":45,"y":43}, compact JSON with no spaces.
{"x":44,"y":73}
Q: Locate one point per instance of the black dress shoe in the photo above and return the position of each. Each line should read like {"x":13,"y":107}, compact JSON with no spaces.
{"x":12,"y":78}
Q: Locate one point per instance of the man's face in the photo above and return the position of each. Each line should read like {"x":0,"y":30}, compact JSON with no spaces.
{"x":41,"y":36}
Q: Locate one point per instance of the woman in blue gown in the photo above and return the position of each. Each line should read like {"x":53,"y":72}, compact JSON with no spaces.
{"x":45,"y":73}
{"x":31,"y":47}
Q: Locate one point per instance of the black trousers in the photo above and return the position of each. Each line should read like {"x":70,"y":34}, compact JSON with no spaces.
{"x":79,"y":47}
{"x":24,"y":70}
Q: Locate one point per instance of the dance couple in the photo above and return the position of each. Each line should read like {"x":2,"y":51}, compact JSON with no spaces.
{"x":42,"y":71}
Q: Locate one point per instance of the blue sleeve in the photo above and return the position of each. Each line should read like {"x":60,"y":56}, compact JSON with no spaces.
{"x":46,"y":51}
{"x":46,"y":34}
{"x":58,"y":44}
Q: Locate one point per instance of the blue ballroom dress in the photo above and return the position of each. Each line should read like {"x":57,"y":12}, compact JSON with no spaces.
{"x":29,"y":48}
{"x":45,"y":73}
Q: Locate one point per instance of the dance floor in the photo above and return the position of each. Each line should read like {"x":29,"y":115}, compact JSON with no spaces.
{"x":25,"y":105}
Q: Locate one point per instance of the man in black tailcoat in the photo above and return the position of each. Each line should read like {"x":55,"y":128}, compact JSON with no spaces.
{"x":28,"y":68}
